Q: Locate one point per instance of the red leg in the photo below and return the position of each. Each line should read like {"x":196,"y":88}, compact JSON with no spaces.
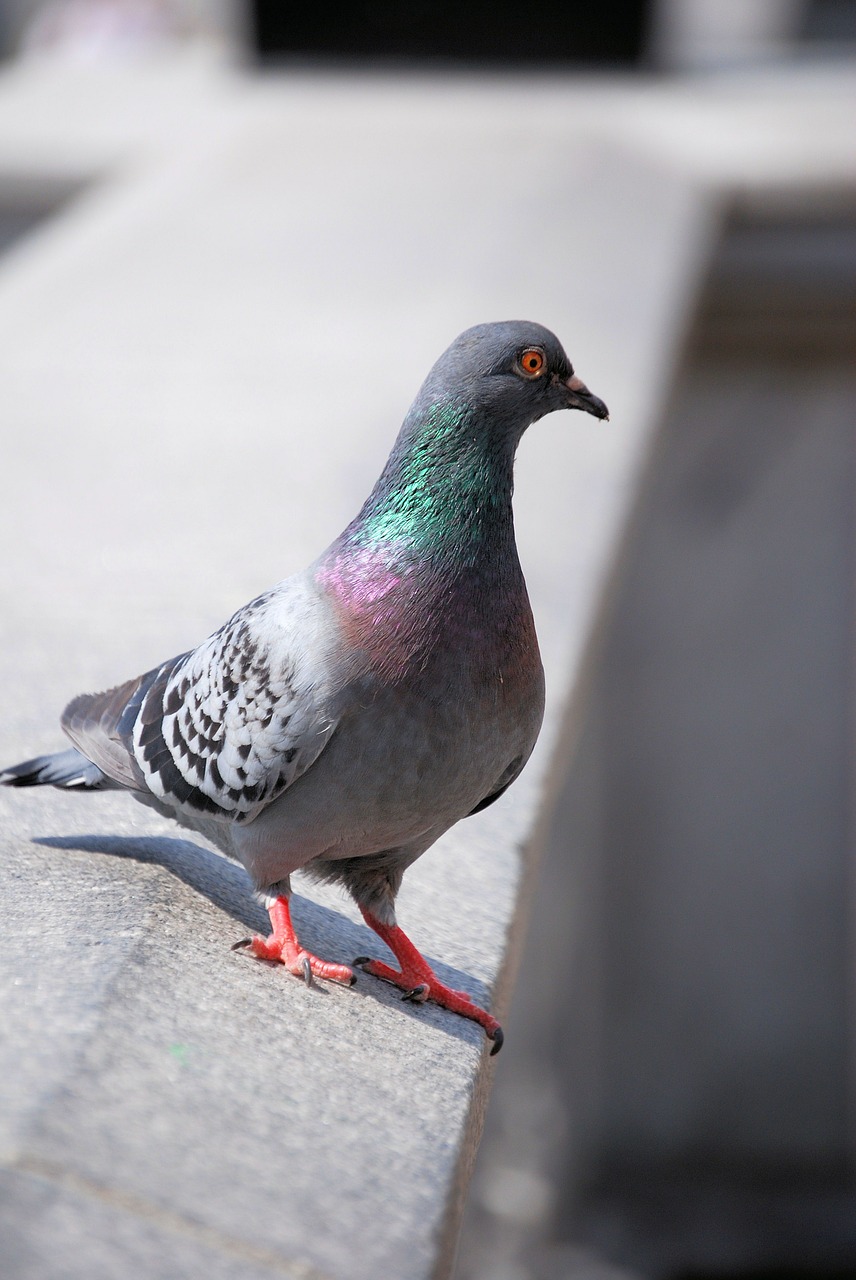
{"x":283,"y":945}
{"x":419,"y":980}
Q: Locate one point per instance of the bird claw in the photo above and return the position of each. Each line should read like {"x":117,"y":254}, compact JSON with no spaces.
{"x":244,"y":942}
{"x":432,"y":989}
{"x":306,"y":969}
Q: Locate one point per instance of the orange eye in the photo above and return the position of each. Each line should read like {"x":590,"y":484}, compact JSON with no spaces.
{"x":532,"y":362}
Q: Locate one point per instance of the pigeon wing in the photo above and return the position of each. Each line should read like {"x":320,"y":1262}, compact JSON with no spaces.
{"x":223,"y":729}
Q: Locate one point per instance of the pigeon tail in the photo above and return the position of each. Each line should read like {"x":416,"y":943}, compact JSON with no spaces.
{"x":101,"y":725}
{"x":67,"y":769}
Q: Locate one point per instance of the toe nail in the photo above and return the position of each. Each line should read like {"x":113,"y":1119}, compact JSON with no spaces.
{"x":307,"y":970}
{"x":418,"y":995}
{"x":498,"y":1038}
{"x":245,"y":942}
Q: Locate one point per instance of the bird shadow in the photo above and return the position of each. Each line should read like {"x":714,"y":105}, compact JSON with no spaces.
{"x":223,"y":883}
{"x":324,"y":931}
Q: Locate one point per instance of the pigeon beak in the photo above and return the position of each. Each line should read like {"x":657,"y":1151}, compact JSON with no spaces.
{"x":579,"y":397}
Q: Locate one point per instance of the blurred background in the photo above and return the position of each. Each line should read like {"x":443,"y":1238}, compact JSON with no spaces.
{"x":676,"y":1095}
{"x":673,"y":35}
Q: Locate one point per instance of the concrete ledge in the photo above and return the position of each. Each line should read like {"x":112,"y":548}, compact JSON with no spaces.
{"x":205,"y":360}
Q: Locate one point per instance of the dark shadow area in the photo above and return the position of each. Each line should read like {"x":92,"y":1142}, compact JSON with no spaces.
{"x":223,"y":883}
{"x":327,"y":933}
{"x":830,"y":23}
{"x":777,"y":1273}
{"x":27,"y":201}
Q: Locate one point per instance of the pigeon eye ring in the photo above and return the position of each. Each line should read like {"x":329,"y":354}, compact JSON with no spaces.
{"x":532,"y":362}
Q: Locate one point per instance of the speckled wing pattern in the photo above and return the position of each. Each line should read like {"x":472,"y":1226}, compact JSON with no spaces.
{"x":223,"y":729}
{"x":228,"y":727}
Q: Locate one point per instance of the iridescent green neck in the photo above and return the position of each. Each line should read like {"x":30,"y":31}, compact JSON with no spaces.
{"x":446,"y":487}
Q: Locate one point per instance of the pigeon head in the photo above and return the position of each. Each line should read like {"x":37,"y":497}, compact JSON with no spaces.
{"x":509,"y":375}
{"x":446,"y":488}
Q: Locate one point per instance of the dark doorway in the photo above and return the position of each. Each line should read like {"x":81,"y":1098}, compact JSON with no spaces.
{"x":479,"y":32}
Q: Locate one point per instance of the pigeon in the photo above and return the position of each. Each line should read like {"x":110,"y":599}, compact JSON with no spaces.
{"x":339,"y":723}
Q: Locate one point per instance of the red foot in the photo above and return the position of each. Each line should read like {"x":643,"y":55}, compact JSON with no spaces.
{"x":282,"y":945}
{"x":419,"y":980}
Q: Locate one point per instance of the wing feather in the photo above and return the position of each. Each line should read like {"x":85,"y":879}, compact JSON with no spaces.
{"x":226,"y":728}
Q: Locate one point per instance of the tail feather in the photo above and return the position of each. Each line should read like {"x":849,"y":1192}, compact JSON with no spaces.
{"x":69,"y":769}
{"x":101,"y":725}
